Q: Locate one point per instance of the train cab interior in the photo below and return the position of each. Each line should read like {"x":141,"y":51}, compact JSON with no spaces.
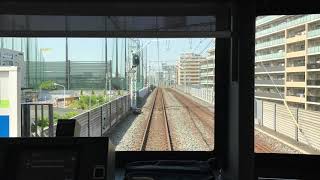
{"x":234,"y":25}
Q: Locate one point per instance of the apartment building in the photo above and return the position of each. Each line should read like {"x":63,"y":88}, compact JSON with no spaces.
{"x":188,"y":69}
{"x":287,"y":62}
{"x":207,"y":70}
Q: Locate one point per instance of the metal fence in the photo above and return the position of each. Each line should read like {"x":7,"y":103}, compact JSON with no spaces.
{"x":203,"y":93}
{"x":98,"y":121}
{"x":34,"y":118}
{"x":278,"y":118}
{"x":143,"y":92}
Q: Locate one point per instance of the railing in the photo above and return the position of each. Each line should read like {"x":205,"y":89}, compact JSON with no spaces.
{"x":270,"y":82}
{"x":207,"y":81}
{"x":203,"y":93}
{"x":266,"y":19}
{"x":293,"y":65}
{"x":271,"y":43}
{"x":278,"y":55}
{"x":270,"y":95}
{"x":313,"y":33}
{"x":35,"y":118}
{"x":98,"y":121}
{"x":143,"y":92}
{"x":313,"y":98}
{"x":286,"y":25}
{"x":313,"y":82}
{"x":315,"y":49}
{"x":313,"y":66}
{"x":269,"y":69}
{"x":210,"y":73}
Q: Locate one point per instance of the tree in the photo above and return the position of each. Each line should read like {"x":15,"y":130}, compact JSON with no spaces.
{"x":47,"y":85}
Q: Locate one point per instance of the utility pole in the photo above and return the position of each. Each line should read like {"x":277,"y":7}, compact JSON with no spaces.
{"x":125,"y":63}
{"x":67,"y":65}
{"x":141,"y":67}
{"x":117,"y":71}
{"x":106,"y":64}
{"x":135,"y":73}
{"x":207,"y":85}
{"x":146,"y":67}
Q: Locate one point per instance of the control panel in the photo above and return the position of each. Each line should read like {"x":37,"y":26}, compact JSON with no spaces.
{"x":60,"y":158}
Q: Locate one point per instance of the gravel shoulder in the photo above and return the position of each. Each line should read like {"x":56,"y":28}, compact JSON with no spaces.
{"x":184,"y":134}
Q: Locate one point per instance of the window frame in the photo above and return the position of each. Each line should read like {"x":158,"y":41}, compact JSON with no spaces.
{"x":219,"y":9}
{"x":279,"y":164}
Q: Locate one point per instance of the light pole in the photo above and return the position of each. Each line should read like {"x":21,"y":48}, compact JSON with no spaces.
{"x":64,"y":93}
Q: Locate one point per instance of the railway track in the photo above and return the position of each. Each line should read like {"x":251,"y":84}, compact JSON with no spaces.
{"x":198,"y":114}
{"x":156,"y":135}
{"x":206,"y":117}
{"x":261,"y":148}
{"x":202,"y":113}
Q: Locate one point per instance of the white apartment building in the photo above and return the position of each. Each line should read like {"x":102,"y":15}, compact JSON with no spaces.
{"x":287,"y":62}
{"x":207,"y":67}
{"x":188,"y":69}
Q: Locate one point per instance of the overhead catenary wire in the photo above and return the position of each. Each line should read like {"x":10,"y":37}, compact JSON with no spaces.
{"x":200,"y":42}
{"x":206,"y":47}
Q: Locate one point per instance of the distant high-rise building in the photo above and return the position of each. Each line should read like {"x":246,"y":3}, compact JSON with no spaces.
{"x":188,"y":69}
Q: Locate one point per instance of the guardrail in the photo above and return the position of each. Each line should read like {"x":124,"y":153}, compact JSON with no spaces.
{"x":99,"y":120}
{"x":203,"y":93}
{"x":277,"y":117}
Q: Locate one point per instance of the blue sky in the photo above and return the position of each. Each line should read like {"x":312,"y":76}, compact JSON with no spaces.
{"x":92,"y":49}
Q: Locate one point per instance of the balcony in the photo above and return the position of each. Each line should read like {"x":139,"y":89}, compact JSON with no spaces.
{"x":205,"y":73}
{"x":297,"y":99}
{"x":269,"y":82}
{"x":313,"y":66}
{"x":296,"y":54}
{"x":270,"y":95}
{"x":314,"y":50}
{"x":313,"y":98}
{"x":296,"y":38}
{"x":313,"y":82}
{"x":207,"y":81}
{"x":295,"y":84}
{"x":211,"y":66}
{"x":266,"y":19}
{"x":286,"y":25}
{"x":279,"y":55}
{"x":279,"y":27}
{"x":314,"y":33}
{"x":271,"y":43}
{"x":296,"y":69}
{"x":210,"y":57}
{"x":269,"y":69}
